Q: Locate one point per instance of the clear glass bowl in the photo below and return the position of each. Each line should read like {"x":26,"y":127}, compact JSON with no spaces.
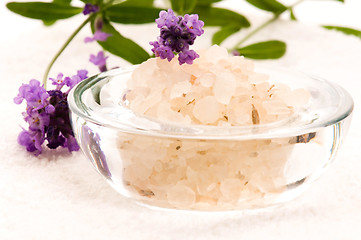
{"x":195,"y":167}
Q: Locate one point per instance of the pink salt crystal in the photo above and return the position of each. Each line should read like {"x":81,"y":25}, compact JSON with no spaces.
{"x":255,"y":78}
{"x":231,"y":188}
{"x":206,"y":110}
{"x":158,"y":166}
{"x":165,"y":113}
{"x":237,"y":62}
{"x":141,"y":74}
{"x":224,"y":87}
{"x":138,"y":106}
{"x":153,"y":98}
{"x":215,"y":54}
{"x":274,"y":107}
{"x":240,"y":113}
{"x":207,"y":80}
{"x":193,"y":69}
{"x":167,"y":66}
{"x":181,"y":196}
{"x":281,"y":90}
{"x":191,"y":174}
{"x":179,"y":89}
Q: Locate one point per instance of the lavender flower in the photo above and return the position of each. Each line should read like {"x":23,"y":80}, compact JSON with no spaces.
{"x":176,"y":35}
{"x":187,"y":56}
{"x":72,"y":81}
{"x":90,"y":8}
{"x":32,"y":140}
{"x":98,"y":36}
{"x":59,"y":132}
{"x":58,"y":81}
{"x":34,"y":94}
{"x":99,"y":60}
{"x":47,"y":114}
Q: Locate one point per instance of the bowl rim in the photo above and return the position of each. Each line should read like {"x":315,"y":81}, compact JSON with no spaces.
{"x":175,"y":130}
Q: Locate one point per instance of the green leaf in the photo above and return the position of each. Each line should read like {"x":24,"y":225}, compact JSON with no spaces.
{"x":206,"y":2}
{"x":224,"y":33}
{"x":121,"y":13}
{"x":48,"y":23}
{"x":146,"y":3}
{"x":221,"y":17}
{"x":292,"y":15}
{"x":122,"y":47}
{"x":42,"y":10}
{"x":64,"y":2}
{"x":183,"y":6}
{"x":268,"y":5}
{"x":264,"y":50}
{"x":345,"y":30}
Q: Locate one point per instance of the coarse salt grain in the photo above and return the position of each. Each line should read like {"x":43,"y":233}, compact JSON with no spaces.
{"x":206,"y":110}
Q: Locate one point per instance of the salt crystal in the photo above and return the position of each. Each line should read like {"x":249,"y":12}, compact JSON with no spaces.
{"x":179,"y":89}
{"x":274,"y":107}
{"x":240,"y":114}
{"x":181,"y":196}
{"x":224,"y":87}
{"x":207,"y":80}
{"x":255,"y":78}
{"x":215,"y":53}
{"x":141,"y":74}
{"x":206,"y":110}
{"x":231,"y":188}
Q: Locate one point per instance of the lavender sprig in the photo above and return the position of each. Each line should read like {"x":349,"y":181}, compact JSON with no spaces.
{"x":176,"y":35}
{"x":47,"y":114}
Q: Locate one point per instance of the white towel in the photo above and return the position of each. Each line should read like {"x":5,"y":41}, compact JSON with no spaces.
{"x":60,"y":196}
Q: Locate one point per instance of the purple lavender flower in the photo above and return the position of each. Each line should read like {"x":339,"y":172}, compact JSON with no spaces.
{"x":164,"y":52}
{"x":47,"y":114}
{"x":166,"y":19}
{"x":176,"y":35}
{"x":82,"y":74}
{"x":32,"y":140}
{"x":98,"y":36}
{"x":59,"y":132}
{"x":58,"y":81}
{"x":37,"y":120}
{"x":34,"y":94}
{"x":236,"y":53}
{"x":72,"y":81}
{"x":194,"y":25}
{"x":187,"y":57}
{"x":90,"y":8}
{"x":71,"y":144}
{"x":99,"y":60}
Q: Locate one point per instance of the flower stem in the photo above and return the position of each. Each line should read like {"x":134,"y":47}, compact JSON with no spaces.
{"x":63,"y":48}
{"x":266,"y":23}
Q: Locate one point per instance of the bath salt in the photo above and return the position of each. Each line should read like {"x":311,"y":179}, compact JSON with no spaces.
{"x":217,"y":89}
{"x":208,"y":174}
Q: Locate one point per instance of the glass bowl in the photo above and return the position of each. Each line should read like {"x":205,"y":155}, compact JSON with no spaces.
{"x":208,"y":168}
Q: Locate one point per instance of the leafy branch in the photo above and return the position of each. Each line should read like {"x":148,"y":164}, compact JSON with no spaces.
{"x":144,"y":11}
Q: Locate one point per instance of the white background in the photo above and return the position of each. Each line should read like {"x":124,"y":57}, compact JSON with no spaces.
{"x":60,"y":196}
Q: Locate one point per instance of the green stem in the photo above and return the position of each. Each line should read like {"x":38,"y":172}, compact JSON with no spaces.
{"x":63,"y":48}
{"x":265,"y":24}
